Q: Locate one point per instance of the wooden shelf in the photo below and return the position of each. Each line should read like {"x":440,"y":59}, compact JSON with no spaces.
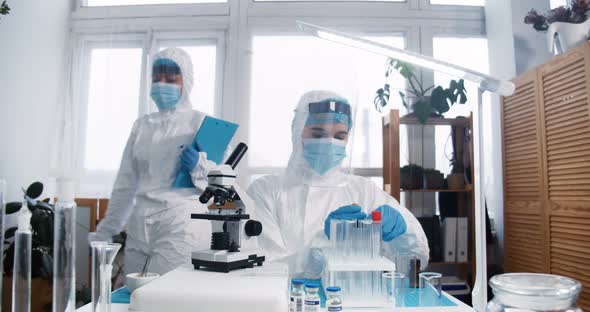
{"x":411,"y":120}
{"x":465,"y":190}
{"x":449,"y":263}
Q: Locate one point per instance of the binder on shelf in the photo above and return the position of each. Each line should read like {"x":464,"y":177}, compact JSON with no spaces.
{"x":450,"y":239}
{"x":462,"y":238}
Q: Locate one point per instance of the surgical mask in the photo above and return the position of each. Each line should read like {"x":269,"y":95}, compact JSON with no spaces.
{"x":323,"y":154}
{"x":166,"y":95}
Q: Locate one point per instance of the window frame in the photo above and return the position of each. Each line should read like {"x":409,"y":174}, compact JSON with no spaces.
{"x":235,"y":22}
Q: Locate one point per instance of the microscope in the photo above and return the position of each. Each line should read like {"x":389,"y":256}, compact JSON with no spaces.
{"x":233,"y":238}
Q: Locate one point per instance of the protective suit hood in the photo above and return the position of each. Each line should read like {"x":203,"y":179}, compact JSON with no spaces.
{"x":298,"y":171}
{"x":183,"y":60}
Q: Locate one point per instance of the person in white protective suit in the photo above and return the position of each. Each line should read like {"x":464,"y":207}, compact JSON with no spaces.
{"x":156,"y":215}
{"x":295,"y":206}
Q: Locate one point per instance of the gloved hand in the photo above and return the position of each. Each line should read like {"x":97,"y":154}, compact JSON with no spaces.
{"x":350,"y":212}
{"x":98,"y":237}
{"x":189,"y":158}
{"x":392,"y":223}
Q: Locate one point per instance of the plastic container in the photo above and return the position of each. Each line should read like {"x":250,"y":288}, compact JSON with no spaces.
{"x":297,"y":296}
{"x":333,"y":299}
{"x":534,"y":292}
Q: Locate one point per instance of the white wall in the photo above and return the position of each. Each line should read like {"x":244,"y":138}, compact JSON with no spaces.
{"x":514,"y":48}
{"x":32,"y":53}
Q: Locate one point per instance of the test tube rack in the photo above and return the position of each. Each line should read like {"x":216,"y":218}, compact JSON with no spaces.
{"x":355,"y":263}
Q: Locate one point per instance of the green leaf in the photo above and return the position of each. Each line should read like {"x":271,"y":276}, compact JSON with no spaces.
{"x":381,"y":97}
{"x":422,"y":109}
{"x":405,"y":69}
{"x":10,"y":232}
{"x":403,"y":96}
{"x":438,"y":100}
{"x":457,"y":92}
{"x":13,"y":207}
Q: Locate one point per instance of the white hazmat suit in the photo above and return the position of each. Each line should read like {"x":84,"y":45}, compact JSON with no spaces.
{"x":294,"y":204}
{"x":156,"y":215}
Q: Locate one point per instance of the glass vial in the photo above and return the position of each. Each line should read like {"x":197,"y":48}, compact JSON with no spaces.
{"x":312,"y":298}
{"x":297,"y":296}
{"x":334,"y":299}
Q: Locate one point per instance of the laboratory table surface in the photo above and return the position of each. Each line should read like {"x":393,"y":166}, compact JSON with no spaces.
{"x":460,"y":307}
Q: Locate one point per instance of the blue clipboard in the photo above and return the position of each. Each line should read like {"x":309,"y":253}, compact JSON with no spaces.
{"x":213,"y":138}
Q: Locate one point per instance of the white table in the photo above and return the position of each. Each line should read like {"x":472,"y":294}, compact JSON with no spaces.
{"x":271,"y":270}
{"x":461,"y":307}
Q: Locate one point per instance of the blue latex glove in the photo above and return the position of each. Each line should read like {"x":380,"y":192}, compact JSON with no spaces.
{"x":189,"y":158}
{"x":392,"y":223}
{"x":350,"y":212}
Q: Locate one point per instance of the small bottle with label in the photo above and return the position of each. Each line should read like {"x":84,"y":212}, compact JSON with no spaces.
{"x":312,"y":298}
{"x":334,"y":299}
{"x":297,"y":296}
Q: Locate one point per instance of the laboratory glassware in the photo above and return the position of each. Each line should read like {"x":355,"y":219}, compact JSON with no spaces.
{"x":103,"y":255}
{"x":21,"y":278}
{"x":64,"y":249}
{"x":534,"y":292}
{"x":430,"y":289}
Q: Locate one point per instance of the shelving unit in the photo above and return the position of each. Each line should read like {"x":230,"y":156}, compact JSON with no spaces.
{"x":391,"y":179}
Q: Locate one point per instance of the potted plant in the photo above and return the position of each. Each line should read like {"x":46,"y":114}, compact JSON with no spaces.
{"x":4,"y":8}
{"x":566,"y":26}
{"x":42,"y":217}
{"x":433,"y":179}
{"x":411,"y":177}
{"x":432,"y":101}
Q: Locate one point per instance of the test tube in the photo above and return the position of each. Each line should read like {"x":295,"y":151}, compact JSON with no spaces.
{"x":430,"y":289}
{"x":376,"y":234}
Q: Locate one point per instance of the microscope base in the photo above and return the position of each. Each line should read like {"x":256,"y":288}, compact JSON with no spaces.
{"x":224,"y":261}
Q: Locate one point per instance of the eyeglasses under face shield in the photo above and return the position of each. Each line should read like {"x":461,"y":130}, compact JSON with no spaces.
{"x":165,"y":69}
{"x":331,"y":110}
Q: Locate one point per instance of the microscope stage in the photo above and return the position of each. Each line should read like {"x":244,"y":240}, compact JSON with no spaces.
{"x":225,"y":261}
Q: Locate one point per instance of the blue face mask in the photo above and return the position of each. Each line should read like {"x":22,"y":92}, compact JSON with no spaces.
{"x":166,"y":95}
{"x":323,"y":154}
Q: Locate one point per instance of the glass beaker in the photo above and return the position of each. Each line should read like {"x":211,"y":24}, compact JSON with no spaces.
{"x":430,"y":289}
{"x":103,"y":255}
{"x":394,"y":288}
{"x":534,"y":292}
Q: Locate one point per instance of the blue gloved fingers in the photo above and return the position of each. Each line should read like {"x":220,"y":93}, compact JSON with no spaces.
{"x":393,"y":223}
{"x":189,"y":158}
{"x":350,"y":216}
{"x":349,"y":212}
{"x":347,"y":209}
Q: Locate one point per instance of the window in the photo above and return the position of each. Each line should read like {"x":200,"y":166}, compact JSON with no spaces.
{"x":139,"y":2}
{"x":330,"y":0}
{"x":556,"y":3}
{"x":467,"y":52}
{"x":459,"y":2}
{"x":204,"y":58}
{"x":284,"y":67}
{"x":113,"y":96}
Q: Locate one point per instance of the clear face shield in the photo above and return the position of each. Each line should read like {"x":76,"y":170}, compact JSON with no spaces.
{"x":326,"y":134}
